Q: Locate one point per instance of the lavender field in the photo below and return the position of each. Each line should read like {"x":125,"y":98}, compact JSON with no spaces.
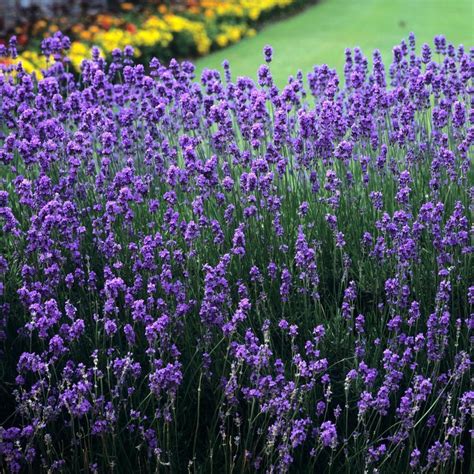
{"x":213,"y":275}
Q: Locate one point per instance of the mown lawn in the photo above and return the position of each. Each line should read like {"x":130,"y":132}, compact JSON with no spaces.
{"x":322,"y":32}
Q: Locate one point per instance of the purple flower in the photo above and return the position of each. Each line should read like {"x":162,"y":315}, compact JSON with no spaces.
{"x":328,"y":434}
{"x":268,"y":53}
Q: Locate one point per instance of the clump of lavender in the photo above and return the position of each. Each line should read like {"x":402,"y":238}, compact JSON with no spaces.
{"x":226,"y":275}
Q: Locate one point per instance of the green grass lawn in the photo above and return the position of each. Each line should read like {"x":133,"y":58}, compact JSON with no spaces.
{"x":321,"y":33}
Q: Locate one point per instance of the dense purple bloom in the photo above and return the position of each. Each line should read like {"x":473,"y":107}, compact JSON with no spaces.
{"x":228,"y":273}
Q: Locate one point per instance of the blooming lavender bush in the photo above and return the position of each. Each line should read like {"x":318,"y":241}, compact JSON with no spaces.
{"x":224,"y":276}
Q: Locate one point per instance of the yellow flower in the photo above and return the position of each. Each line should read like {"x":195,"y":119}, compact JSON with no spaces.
{"x":251,"y":32}
{"x":222,"y":40}
{"x":31,"y":62}
{"x":78,"y":52}
{"x":254,"y":13}
{"x":155,"y":22}
{"x":196,"y":29}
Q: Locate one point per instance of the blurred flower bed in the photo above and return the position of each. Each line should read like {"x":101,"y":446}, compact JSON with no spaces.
{"x":188,"y":29}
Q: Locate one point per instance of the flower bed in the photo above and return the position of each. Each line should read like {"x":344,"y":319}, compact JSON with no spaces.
{"x":224,"y":276}
{"x":159,"y":31}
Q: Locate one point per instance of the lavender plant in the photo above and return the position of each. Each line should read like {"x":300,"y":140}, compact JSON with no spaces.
{"x":225,"y":276}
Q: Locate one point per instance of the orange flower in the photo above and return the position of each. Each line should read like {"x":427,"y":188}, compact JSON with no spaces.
{"x":126,"y":6}
{"x":76,"y":29}
{"x":39,"y":25}
{"x":106,"y":21}
{"x":131,"y":28}
{"x":85,"y":35}
{"x":22,"y":39}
